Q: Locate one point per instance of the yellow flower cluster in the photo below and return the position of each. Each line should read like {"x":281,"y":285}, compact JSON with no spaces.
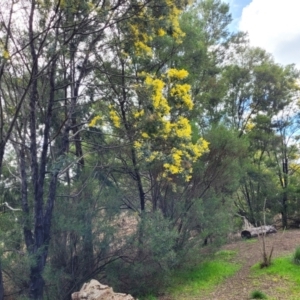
{"x":161,"y":32}
{"x":182,"y":128}
{"x":146,"y":24}
{"x":169,"y":126}
{"x":177,"y":33}
{"x":137,"y":145}
{"x":249,"y":126}
{"x":158,"y":100}
{"x":115,"y":118}
{"x":141,"y":41}
{"x":155,"y":155}
{"x":142,"y":48}
{"x":175,"y":167}
{"x":93,"y":122}
{"x":177,"y":74}
{"x":138,"y":114}
{"x":181,"y":159}
{"x":166,"y":127}
{"x":182,"y":93}
{"x":5,"y":54}
{"x":145,"y":135}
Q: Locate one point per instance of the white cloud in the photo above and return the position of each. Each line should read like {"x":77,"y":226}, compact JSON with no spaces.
{"x":275,"y":26}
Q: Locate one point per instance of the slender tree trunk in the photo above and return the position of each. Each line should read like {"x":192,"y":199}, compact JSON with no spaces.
{"x":284,"y":210}
{"x":1,"y":284}
{"x":285,"y":194}
{"x":1,"y":279}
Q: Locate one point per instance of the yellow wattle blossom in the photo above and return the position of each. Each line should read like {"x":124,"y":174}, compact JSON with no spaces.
{"x":249,"y":126}
{"x":171,"y":169}
{"x":177,"y":33}
{"x":134,"y":29}
{"x":161,"y":32}
{"x":142,"y":48}
{"x":147,"y":24}
{"x":188,"y":178}
{"x":93,"y":122}
{"x":171,"y":133}
{"x":199,"y":148}
{"x":5,"y":54}
{"x":182,"y":93}
{"x":137,"y":145}
{"x":177,"y":74}
{"x":141,"y":40}
{"x":183,"y":128}
{"x":177,"y":155}
{"x":115,"y":118}
{"x":139,"y":114}
{"x":166,"y":128}
{"x":154,"y":155}
{"x":159,"y":101}
{"x":145,"y":135}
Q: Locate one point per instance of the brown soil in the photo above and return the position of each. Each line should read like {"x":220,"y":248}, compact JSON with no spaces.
{"x":239,"y":286}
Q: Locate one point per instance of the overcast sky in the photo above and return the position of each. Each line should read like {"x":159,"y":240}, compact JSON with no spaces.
{"x":273,"y":25}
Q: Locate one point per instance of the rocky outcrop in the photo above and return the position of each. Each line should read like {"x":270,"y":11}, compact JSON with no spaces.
{"x":94,"y":290}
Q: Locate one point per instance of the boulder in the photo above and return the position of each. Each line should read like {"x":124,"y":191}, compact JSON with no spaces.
{"x":94,"y":290}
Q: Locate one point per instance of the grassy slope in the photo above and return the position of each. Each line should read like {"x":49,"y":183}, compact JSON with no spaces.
{"x":284,"y":272}
{"x":202,"y":278}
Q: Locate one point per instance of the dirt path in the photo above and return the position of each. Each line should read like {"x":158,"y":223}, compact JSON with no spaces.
{"x":239,"y":286}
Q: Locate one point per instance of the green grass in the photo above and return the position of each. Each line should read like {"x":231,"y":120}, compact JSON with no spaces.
{"x":250,"y":241}
{"x":204,"y":277}
{"x":285,"y":272}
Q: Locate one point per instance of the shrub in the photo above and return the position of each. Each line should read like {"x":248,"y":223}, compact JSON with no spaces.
{"x":257,"y":295}
{"x":296,"y":256}
{"x":147,"y":258}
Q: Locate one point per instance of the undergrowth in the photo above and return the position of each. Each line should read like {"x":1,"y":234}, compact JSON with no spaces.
{"x":203,"y":277}
{"x":296,"y":256}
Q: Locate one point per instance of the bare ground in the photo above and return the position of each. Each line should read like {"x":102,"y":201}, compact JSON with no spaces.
{"x":243,"y":282}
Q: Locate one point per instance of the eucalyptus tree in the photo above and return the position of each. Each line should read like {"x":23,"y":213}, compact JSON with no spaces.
{"x":259,"y":91}
{"x":256,"y":84}
{"x":285,"y":155}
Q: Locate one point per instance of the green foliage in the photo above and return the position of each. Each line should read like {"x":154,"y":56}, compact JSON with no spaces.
{"x":296,"y":256}
{"x":83,"y":235}
{"x":147,"y":258}
{"x":256,"y":294}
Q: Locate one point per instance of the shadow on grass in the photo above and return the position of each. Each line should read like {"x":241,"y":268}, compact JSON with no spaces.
{"x":202,"y":278}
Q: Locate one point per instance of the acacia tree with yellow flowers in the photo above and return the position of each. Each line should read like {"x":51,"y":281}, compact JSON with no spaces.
{"x":149,"y":107}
